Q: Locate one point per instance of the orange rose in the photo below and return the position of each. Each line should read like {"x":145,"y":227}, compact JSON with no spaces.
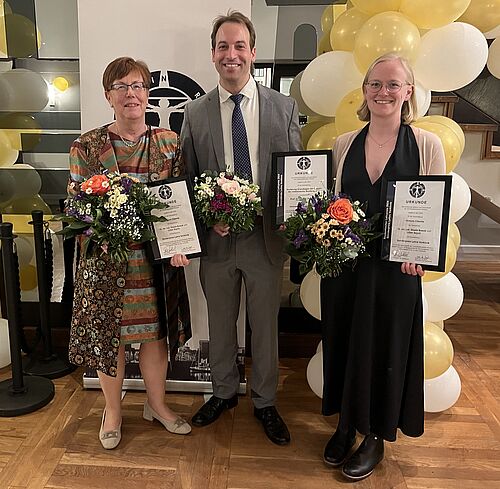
{"x":341,"y":210}
{"x":96,"y":185}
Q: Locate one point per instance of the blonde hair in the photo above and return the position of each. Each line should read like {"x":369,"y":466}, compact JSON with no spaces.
{"x":409,"y":108}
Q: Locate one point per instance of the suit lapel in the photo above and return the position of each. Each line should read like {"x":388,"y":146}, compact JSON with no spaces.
{"x":215,"y":127}
{"x":265,"y":118}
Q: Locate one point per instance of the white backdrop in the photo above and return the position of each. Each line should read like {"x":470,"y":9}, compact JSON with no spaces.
{"x":170,"y":37}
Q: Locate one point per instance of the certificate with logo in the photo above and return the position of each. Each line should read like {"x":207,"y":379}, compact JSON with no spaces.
{"x":180,"y":233}
{"x":416,"y":220}
{"x":297,"y":176}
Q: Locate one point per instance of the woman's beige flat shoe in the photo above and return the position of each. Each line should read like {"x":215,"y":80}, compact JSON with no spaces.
{"x":179,"y":426}
{"x":109,"y":439}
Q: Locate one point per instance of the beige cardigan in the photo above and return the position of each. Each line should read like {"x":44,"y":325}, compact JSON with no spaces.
{"x":432,"y":159}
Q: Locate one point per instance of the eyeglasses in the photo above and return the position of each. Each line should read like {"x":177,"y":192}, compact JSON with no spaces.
{"x":375,"y":86}
{"x":123,"y":87}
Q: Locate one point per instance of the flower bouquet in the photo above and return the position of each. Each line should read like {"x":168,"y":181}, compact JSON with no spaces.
{"x":329,"y":230}
{"x":111,"y":210}
{"x":225,"y":197}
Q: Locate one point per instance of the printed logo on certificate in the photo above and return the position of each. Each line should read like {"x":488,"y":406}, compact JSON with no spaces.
{"x":297,"y":176}
{"x":416,"y":220}
{"x":181,"y":232}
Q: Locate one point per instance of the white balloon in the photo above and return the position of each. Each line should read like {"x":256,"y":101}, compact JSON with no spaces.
{"x":423,"y":96}
{"x":25,"y":249}
{"x":315,"y":374}
{"x":327,"y":79}
{"x":444,"y":297}
{"x":310,"y":293}
{"x":451,"y":56}
{"x":4,"y":343}
{"x":319,"y":348}
{"x":442,"y":392}
{"x":493,"y":34}
{"x":494,"y":58}
{"x":23,"y":91}
{"x":295,"y":93}
{"x":460,"y":197}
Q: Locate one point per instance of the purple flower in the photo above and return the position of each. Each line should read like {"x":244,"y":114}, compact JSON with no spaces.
{"x":88,"y":232}
{"x":127,"y":184}
{"x":349,"y":234}
{"x":300,"y":238}
{"x":301,"y":208}
{"x":87,"y":218}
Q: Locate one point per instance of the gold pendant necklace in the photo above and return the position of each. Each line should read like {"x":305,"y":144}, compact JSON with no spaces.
{"x":380,"y":146}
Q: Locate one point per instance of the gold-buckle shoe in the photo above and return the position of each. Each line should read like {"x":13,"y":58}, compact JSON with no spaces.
{"x":178,"y":426}
{"x":109,"y":439}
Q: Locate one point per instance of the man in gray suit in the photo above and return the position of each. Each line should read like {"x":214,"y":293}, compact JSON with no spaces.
{"x":209,"y":141}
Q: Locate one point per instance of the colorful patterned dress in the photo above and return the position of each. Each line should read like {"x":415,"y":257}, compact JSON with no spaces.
{"x":118,"y":303}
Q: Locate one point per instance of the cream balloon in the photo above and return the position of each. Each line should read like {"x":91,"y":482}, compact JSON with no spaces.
{"x":438,"y":351}
{"x":385,"y":33}
{"x":327,"y":19}
{"x":494,"y":58}
{"x":454,"y":234}
{"x":319,"y":347}
{"x":423,"y":96}
{"x":446,"y":121}
{"x":310,"y":293}
{"x":493,"y":34}
{"x":4,"y":343}
{"x":314,"y":374}
{"x":483,"y":14}
{"x":441,"y":393}
{"x":327,"y":79}
{"x":450,"y":57}
{"x":295,"y":94}
{"x":346,"y":117}
{"x":324,"y":45}
{"x":451,"y":258}
{"x":460,"y":197}
{"x":444,"y":297}
{"x":23,"y":90}
{"x":25,"y":249}
{"x":372,"y":7}
{"x":429,"y":14}
{"x":310,"y":128}
{"x":346,"y":27}
{"x":425,"y":307}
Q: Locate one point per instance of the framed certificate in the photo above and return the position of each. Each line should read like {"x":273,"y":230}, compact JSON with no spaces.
{"x":181,"y":232}
{"x":298,"y":175}
{"x":416,"y":220}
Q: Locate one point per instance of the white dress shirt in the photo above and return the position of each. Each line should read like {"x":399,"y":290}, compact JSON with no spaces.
{"x":250,"y":110}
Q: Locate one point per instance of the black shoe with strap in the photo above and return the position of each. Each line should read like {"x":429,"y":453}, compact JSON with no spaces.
{"x":364,"y":460}
{"x":212,"y":409}
{"x":338,"y":447}
{"x":273,"y":424}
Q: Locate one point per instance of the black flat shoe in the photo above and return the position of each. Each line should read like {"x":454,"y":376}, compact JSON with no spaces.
{"x":364,"y":460}
{"x":338,"y":447}
{"x":212,"y":409}
{"x":273,"y":424}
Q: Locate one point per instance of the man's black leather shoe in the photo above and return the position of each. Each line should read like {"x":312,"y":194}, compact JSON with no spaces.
{"x":273,"y":424}
{"x":338,"y":447}
{"x":212,"y":409}
{"x":364,"y":460}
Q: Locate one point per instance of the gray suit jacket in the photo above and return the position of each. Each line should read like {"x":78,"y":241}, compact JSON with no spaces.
{"x":203,"y":146}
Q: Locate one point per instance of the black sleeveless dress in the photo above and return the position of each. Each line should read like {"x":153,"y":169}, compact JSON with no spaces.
{"x":372,"y":319}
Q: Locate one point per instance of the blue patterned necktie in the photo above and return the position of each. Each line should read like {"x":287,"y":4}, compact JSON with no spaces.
{"x":242,"y":165}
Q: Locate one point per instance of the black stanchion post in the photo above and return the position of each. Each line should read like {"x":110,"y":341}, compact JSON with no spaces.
{"x":20,"y":394}
{"x":49,"y":364}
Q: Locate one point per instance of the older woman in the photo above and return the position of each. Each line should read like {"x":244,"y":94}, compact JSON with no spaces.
{"x":120,"y":303}
{"x":372,"y":314}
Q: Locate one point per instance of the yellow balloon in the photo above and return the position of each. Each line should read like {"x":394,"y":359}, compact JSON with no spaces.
{"x":454,"y":234}
{"x":346,"y":118}
{"x":324,"y":44}
{"x":429,"y":14}
{"x":384,"y":33}
{"x":27,"y":277}
{"x":327,"y":19}
{"x":310,"y":128}
{"x":323,"y":138}
{"x":446,"y":121}
{"x":373,"y":7}
{"x":450,"y":141}
{"x":483,"y":14}
{"x":346,"y":27}
{"x":8,"y":155}
{"x":25,"y":205}
{"x":22,"y":36}
{"x":16,"y":123}
{"x":451,"y":258}
{"x":438,"y":351}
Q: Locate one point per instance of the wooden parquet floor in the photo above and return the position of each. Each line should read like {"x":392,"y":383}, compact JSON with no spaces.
{"x":57,"y":447}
